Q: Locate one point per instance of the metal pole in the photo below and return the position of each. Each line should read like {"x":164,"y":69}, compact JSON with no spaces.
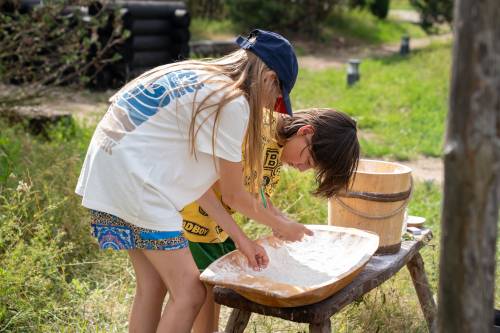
{"x":405,"y":45}
{"x":353,"y":71}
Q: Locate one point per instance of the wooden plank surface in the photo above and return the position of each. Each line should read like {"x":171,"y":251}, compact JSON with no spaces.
{"x":378,"y":270}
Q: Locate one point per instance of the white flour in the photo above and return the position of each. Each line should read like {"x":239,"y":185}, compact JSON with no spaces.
{"x":315,"y":260}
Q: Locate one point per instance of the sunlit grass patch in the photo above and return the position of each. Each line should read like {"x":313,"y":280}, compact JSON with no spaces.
{"x":362,"y":26}
{"x":201,"y":29}
{"x":400,"y":101}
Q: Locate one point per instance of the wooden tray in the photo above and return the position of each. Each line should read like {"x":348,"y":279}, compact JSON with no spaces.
{"x":299,"y":273}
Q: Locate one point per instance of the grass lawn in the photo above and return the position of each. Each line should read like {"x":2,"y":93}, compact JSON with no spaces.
{"x":400,"y":103}
{"x":401,"y":4}
{"x":201,"y":29}
{"x":362,"y":27}
{"x":355,"y":26}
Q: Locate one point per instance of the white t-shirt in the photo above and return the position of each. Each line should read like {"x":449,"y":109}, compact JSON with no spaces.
{"x":139,"y":166}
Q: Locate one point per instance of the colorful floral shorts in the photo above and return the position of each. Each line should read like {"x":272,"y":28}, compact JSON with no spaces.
{"x":114,"y":233}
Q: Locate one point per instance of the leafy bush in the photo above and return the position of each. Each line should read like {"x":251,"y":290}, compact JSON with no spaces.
{"x":43,"y":229}
{"x":208,"y":9}
{"x":434,"y":12}
{"x":380,"y":8}
{"x":282,"y":16}
{"x":55,"y":44}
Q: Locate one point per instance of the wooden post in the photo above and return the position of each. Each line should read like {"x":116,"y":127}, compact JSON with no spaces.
{"x":324,"y":327}
{"x":472,"y":161}
{"x":238,"y":321}
{"x":424,"y":293}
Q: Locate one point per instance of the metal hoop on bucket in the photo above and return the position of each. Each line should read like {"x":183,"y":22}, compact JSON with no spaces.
{"x":378,"y":197}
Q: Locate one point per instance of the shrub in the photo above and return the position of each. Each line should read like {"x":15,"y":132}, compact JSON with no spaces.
{"x":434,"y":12}
{"x":43,"y":230}
{"x":380,"y":8}
{"x":55,"y":44}
{"x":208,"y":9}
{"x":282,"y":16}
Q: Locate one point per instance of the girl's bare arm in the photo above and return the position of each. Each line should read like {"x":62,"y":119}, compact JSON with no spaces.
{"x":256,"y":255}
{"x":235,"y":195}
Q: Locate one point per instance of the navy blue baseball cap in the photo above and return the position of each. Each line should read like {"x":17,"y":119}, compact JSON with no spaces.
{"x":278,"y":54}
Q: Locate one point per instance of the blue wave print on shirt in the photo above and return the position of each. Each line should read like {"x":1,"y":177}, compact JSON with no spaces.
{"x":136,"y":106}
{"x":143,"y":102}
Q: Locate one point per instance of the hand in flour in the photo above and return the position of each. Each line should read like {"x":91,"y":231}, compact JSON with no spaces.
{"x":291,"y":231}
{"x":256,"y":255}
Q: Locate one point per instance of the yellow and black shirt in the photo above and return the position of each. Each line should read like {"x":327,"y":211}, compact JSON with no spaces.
{"x":199,"y":227}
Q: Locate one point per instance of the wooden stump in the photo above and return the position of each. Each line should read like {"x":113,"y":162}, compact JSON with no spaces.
{"x":37,"y":119}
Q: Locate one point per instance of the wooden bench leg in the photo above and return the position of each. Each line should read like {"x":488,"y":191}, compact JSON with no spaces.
{"x":238,"y":320}
{"x":424,"y":293}
{"x":324,"y":327}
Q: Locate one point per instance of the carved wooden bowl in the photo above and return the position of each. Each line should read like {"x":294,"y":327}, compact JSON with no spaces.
{"x":299,"y":273}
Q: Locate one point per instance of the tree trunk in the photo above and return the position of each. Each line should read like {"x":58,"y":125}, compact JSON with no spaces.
{"x":472,"y":163}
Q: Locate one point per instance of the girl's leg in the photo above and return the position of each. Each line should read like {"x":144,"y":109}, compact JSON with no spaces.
{"x":207,"y":320}
{"x":186,"y":292}
{"x":149,"y":295}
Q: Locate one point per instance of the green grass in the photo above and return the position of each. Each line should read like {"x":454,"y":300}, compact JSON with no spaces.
{"x":53,"y":277}
{"x":362,"y":27}
{"x":202,"y":29}
{"x":401,"y":4}
{"x":356,"y":26}
{"x":400,"y":103}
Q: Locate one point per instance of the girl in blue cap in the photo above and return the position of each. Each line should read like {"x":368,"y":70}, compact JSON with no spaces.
{"x":166,"y":138}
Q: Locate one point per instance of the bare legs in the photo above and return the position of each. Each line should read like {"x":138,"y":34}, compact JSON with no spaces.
{"x":155,"y":270}
{"x":207,"y":320}
{"x":149,"y":295}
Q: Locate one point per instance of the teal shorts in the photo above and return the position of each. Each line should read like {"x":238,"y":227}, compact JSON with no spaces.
{"x":206,"y":253}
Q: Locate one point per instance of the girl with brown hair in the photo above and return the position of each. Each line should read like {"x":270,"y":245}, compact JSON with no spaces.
{"x":321,"y":139}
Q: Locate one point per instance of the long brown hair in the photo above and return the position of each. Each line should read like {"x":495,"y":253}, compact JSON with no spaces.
{"x":246,"y":72}
{"x":334,"y":146}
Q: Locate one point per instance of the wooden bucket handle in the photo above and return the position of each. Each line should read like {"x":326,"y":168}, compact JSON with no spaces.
{"x":378,"y":197}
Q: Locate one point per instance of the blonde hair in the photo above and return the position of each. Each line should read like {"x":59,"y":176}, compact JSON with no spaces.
{"x":246,"y":72}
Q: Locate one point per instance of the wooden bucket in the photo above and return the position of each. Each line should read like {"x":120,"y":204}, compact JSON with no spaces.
{"x":376,"y":202}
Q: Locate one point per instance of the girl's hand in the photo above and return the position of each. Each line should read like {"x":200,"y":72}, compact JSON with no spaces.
{"x":292,"y":231}
{"x":255,"y":254}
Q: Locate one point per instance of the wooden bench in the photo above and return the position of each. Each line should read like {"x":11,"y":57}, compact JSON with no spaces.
{"x":378,"y":270}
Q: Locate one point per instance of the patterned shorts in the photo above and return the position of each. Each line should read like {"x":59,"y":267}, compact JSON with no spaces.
{"x":114,"y":233}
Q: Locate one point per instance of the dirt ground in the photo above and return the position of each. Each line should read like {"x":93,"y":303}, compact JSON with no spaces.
{"x":427,"y":169}
{"x":338,"y":56}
